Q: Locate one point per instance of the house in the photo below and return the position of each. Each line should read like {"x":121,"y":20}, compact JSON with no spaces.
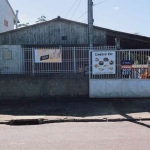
{"x":7,"y":16}
{"x":21,"y":48}
{"x":60,"y":31}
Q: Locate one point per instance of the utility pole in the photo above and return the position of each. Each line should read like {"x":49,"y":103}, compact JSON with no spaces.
{"x":90,"y":23}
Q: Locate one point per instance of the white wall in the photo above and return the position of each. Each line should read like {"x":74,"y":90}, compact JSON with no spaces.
{"x":119,"y":88}
{"x":7,"y":14}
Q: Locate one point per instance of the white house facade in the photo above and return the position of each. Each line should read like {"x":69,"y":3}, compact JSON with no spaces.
{"x":7,"y":16}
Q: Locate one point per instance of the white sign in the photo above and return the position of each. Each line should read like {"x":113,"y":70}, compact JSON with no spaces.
{"x":48,"y":56}
{"x":104,"y":62}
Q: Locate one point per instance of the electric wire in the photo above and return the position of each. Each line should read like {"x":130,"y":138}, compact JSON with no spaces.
{"x":99,"y":3}
{"x":76,"y":9}
{"x":94,"y":5}
{"x":71,"y":8}
{"x":81,"y":16}
{"x":84,"y":21}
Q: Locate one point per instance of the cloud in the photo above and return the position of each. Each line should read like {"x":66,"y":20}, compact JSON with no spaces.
{"x":116,"y":8}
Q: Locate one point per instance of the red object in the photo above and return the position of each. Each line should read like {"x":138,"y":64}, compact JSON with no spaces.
{"x":126,"y":66}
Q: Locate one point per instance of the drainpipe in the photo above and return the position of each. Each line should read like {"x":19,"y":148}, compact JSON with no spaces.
{"x":17,"y":19}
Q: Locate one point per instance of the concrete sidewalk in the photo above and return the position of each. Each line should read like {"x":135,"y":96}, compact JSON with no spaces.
{"x":50,"y":111}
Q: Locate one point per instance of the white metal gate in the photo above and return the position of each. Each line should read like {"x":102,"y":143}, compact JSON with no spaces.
{"x":119,"y":73}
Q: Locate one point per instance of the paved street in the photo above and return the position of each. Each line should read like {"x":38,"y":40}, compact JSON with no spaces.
{"x":77,"y":136}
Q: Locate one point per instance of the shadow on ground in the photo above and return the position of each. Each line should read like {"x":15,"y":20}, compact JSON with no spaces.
{"x":76,"y":108}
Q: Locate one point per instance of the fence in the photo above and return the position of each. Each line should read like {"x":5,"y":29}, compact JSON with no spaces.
{"x":22,"y":61}
{"x":74,"y":60}
{"x":140,"y":68}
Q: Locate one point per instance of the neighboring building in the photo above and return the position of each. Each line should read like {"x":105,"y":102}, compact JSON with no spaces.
{"x":7,"y":16}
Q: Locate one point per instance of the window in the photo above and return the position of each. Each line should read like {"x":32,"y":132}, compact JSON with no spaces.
{"x":6,"y":23}
{"x":64,"y":38}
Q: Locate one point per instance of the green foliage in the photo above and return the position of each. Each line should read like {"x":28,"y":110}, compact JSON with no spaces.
{"x":139,"y":58}
{"x":41,"y":19}
{"x":23,"y":25}
{"x":137,"y":33}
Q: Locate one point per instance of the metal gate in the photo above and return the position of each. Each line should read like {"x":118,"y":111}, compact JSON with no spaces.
{"x":119,"y":73}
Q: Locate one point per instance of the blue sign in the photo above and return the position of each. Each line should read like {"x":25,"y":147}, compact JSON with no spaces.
{"x":126,"y":71}
{"x":126,"y":62}
{"x":126,"y":67}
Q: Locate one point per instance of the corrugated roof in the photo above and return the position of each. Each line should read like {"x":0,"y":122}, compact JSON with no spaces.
{"x":108,"y":31}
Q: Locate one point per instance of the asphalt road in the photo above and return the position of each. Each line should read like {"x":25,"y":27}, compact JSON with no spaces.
{"x":77,"y":136}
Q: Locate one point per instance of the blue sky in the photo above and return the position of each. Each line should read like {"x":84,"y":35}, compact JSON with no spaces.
{"x":122,"y":15}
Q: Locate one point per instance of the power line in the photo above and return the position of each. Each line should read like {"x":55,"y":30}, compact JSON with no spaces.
{"x":84,"y":21}
{"x":99,"y":3}
{"x":71,"y":8}
{"x":76,"y":9}
{"x":93,"y":6}
{"x":81,"y":16}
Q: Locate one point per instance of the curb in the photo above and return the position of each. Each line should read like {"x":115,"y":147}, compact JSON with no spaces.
{"x":4,"y":122}
{"x":94,"y":120}
{"x":46,"y":121}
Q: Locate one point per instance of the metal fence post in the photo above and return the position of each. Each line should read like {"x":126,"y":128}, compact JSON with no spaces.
{"x":33,"y":62}
{"x":129,"y":59}
{"x":74,"y":51}
{"x":89,"y":51}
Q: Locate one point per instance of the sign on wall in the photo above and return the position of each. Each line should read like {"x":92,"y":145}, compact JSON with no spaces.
{"x":126,"y":67}
{"x":48,"y":56}
{"x":104,"y":62}
{"x":7,"y":54}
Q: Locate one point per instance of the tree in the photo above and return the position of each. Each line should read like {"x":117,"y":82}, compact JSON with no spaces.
{"x":41,"y":19}
{"x":137,"y":33}
{"x":23,"y":25}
